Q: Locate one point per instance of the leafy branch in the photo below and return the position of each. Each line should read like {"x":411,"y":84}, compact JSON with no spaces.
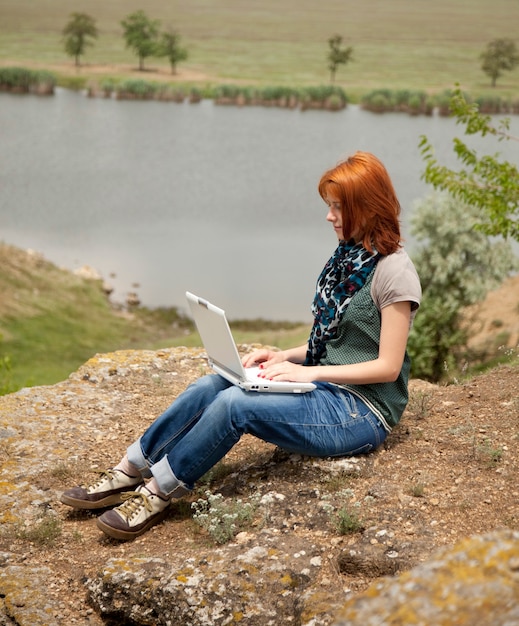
{"x":485,"y":182}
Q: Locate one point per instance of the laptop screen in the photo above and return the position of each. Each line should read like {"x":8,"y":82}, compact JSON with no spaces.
{"x":215,"y":333}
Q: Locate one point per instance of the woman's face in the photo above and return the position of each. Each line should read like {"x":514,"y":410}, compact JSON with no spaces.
{"x":334,"y":215}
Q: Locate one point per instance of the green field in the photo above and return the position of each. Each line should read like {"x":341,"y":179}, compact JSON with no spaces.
{"x":52,"y":321}
{"x":410,"y":44}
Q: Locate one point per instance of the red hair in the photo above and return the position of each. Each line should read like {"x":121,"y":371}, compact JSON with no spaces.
{"x":369,"y":205}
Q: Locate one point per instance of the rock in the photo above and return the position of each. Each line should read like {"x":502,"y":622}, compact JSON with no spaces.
{"x":88,"y":272}
{"x":255,"y":586}
{"x":22,"y":604}
{"x":473,"y":582}
{"x":370,"y":560}
{"x":132,"y":299}
{"x":290,"y":565}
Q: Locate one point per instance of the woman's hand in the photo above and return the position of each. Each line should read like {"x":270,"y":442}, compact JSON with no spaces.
{"x":266,"y":357}
{"x":263,"y":356}
{"x":287,"y":371}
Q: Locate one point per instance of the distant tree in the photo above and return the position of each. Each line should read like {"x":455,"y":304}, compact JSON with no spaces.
{"x":169,"y":47}
{"x":485,"y":182}
{"x":457,"y":265}
{"x":337,"y":55}
{"x":142,"y":35}
{"x":77,"y":34}
{"x":500,"y":55}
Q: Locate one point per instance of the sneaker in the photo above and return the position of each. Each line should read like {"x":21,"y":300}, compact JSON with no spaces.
{"x":141,"y":510}
{"x":105,"y":491}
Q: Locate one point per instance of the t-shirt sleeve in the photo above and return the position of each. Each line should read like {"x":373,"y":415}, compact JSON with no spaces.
{"x":396,"y":280}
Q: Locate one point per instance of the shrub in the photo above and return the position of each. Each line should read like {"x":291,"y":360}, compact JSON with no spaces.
{"x":222,"y":520}
{"x":401,"y":100}
{"x":443,"y":103}
{"x":226,"y":94}
{"x":21,"y":80}
{"x":136,"y":89}
{"x":415,"y":104}
{"x":378,"y":101}
{"x":108,"y":86}
{"x":321,"y":97}
{"x":491,"y":104}
{"x":457,"y":265}
{"x":195,"y":94}
{"x":347,"y":521}
{"x":174,"y":93}
{"x":250,"y":95}
{"x":15,"y":78}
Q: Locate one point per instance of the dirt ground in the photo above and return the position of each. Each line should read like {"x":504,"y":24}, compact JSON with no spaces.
{"x":449,"y":470}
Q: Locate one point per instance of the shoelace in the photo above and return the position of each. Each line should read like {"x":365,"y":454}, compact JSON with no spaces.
{"x":103,"y":475}
{"x":134,"y":501}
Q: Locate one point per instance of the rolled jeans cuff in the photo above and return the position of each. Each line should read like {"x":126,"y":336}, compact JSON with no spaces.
{"x":169,"y":484}
{"x":136,"y":457}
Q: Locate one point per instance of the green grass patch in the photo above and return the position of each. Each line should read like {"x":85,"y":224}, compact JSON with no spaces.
{"x":61,"y":333}
{"x":44,"y":533}
{"x":52,"y":321}
{"x":399,"y":44}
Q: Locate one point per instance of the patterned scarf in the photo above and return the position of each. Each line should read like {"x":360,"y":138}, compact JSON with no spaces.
{"x":343,"y":275}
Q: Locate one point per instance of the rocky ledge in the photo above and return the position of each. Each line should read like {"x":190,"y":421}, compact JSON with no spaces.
{"x":422,"y":531}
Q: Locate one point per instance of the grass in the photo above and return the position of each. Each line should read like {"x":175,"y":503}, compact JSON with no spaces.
{"x":397,"y":44}
{"x":347,"y":521}
{"x":223,"y":519}
{"x":489,"y":455}
{"x":52,"y":321}
{"x":417,"y":490}
{"x":44,"y":533}
{"x":420,"y":404}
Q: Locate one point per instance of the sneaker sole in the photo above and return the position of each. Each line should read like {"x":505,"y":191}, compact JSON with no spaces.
{"x":128,"y":535}
{"x":87,"y":504}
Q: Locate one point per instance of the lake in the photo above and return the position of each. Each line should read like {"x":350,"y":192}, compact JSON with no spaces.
{"x":161,"y":197}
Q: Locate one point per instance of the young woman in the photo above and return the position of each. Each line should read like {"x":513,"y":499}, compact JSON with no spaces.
{"x":366,"y":298}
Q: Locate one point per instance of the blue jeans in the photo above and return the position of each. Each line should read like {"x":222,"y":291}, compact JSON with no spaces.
{"x":211,"y":415}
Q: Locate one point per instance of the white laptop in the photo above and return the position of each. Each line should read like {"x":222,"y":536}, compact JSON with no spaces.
{"x":223,"y":354}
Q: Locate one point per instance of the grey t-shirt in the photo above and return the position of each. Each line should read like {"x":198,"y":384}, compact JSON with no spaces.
{"x":396,"y":280}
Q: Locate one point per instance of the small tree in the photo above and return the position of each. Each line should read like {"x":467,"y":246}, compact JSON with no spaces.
{"x":500,"y":55}
{"x":337,"y":55}
{"x":170,"y":48}
{"x":141,"y":35}
{"x":457,"y":266}
{"x":486,"y":182}
{"x":77,"y":34}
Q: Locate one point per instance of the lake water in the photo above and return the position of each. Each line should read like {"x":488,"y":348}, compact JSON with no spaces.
{"x":221,"y":201}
